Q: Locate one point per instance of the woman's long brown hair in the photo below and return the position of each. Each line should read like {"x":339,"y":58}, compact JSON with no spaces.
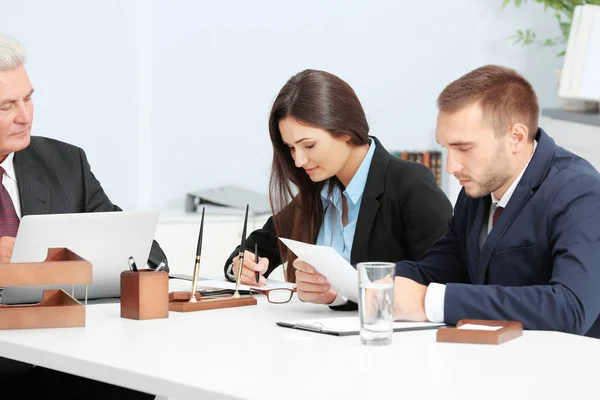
{"x":322,"y":100}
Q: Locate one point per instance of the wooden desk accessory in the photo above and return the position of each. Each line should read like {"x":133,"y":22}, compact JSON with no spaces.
{"x":144,"y":294}
{"x":483,"y":332}
{"x":186,"y":302}
{"x":57,"y":309}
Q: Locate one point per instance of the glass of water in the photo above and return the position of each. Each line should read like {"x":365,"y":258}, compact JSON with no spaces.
{"x":376,"y":298}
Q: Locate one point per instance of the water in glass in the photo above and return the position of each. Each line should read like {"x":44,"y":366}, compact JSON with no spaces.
{"x":376,"y":298}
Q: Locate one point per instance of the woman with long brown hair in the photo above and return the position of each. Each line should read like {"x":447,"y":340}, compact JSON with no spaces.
{"x":332,"y":184}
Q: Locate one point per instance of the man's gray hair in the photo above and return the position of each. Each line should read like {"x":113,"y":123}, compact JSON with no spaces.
{"x":12,"y":54}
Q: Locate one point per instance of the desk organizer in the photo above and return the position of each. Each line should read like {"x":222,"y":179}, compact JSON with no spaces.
{"x":510,"y":330}
{"x":179,"y":302}
{"x":144,"y":294}
{"x":58,"y":309}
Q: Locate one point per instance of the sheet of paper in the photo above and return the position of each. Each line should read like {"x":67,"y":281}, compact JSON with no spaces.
{"x":186,"y":284}
{"x":480,"y":327}
{"x":342,"y":276}
{"x":352,"y":324}
{"x":179,"y":285}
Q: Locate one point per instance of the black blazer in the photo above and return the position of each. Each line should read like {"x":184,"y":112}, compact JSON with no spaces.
{"x":55,"y":177}
{"x":403,"y":211}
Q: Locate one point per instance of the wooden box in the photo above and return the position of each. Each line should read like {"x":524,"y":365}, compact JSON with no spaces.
{"x":482,"y":334}
{"x":57,"y":309}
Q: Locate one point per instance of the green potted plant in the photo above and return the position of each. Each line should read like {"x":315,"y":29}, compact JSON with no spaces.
{"x":563,"y":12}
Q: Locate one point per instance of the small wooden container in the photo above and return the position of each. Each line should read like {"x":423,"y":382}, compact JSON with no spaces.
{"x":144,"y":294}
{"x":509,"y":330}
{"x":57,"y":309}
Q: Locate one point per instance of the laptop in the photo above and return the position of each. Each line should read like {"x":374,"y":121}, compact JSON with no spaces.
{"x":105,"y":239}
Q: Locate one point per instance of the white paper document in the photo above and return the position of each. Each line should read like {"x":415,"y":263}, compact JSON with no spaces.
{"x":342,"y":276}
{"x":475,"y":327}
{"x":185,"y":283}
{"x":343,"y":326}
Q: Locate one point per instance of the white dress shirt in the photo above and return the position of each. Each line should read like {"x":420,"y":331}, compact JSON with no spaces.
{"x":9,"y":180}
{"x":436,"y":292}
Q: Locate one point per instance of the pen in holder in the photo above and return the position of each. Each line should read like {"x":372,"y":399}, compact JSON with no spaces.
{"x":144,"y":293}
{"x":236,"y":295}
{"x":161,"y":266}
{"x":193,"y":301}
{"x":197,"y":263}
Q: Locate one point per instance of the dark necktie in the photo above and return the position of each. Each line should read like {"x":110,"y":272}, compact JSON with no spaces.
{"x":9,"y":221}
{"x":496,"y":215}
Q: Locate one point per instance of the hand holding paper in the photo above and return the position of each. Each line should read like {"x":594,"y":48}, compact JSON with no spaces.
{"x":312,"y":286}
{"x":342,"y":276}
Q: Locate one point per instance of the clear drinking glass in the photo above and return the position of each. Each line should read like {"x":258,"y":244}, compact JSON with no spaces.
{"x":376,"y":302}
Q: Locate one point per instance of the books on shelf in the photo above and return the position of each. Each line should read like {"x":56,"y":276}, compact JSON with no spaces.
{"x":431,"y":159}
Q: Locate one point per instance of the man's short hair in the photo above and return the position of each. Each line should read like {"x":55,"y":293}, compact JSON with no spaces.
{"x":505,"y":98}
{"x":12,"y":55}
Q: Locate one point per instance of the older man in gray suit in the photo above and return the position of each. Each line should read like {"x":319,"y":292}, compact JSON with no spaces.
{"x":43,"y":176}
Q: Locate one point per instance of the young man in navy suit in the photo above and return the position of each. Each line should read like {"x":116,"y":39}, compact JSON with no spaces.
{"x":524,"y":242}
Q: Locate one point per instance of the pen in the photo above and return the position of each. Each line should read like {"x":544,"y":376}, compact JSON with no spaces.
{"x":197,"y":264}
{"x":256,"y":261}
{"x":161,"y":265}
{"x":132,"y":265}
{"x":236,"y":295}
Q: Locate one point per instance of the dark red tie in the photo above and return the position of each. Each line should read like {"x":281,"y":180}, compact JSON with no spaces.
{"x":9,"y":221}
{"x":496,"y":215}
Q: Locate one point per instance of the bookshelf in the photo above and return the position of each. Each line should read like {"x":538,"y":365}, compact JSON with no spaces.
{"x":432,"y":159}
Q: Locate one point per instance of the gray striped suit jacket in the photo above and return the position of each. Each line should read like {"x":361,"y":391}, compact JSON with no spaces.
{"x":55,"y":177}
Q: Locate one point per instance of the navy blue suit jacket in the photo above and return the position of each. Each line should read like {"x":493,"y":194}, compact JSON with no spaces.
{"x":540,"y":264}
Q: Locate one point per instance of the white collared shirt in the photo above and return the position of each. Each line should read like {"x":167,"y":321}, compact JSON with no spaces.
{"x":436,"y":292}
{"x":9,"y":180}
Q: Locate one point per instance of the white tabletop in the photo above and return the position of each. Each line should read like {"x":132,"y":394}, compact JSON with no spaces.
{"x":240,"y":353}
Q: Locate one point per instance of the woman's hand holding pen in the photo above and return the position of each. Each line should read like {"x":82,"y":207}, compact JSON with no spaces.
{"x":312,"y":287}
{"x":250,"y":268}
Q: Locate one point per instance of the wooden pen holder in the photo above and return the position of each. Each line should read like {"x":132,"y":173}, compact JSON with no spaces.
{"x":57,"y":309}
{"x":144,"y":294}
{"x":180,"y":302}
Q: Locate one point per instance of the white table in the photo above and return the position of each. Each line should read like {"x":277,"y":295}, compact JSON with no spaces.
{"x":240,"y":353}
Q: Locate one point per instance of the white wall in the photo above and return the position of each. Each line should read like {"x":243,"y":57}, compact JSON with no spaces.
{"x":82,"y":63}
{"x":169,"y":96}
